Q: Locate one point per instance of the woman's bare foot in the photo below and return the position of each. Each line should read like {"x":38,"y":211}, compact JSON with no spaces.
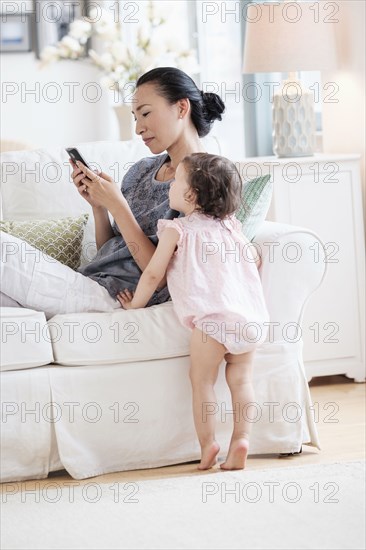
{"x":208,"y":456}
{"x":237,"y":455}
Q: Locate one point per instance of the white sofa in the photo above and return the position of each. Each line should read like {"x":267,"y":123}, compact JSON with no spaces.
{"x":95,"y":393}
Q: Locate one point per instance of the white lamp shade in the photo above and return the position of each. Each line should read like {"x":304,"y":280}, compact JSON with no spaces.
{"x":289,"y":36}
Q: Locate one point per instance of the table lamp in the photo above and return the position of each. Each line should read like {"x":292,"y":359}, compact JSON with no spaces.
{"x":290,"y":37}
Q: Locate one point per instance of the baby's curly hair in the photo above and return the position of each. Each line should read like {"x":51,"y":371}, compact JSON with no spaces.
{"x":216,"y":183}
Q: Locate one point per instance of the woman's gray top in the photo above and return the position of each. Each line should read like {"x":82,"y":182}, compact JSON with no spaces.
{"x":114,"y":267}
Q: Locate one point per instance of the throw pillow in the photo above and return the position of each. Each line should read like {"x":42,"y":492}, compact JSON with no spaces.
{"x":257,"y":195}
{"x":61,"y":239}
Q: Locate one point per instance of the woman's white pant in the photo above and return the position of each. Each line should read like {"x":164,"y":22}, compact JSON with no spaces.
{"x":36,"y":281}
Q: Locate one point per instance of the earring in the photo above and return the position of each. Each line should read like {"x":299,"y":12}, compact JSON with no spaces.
{"x":180,"y":116}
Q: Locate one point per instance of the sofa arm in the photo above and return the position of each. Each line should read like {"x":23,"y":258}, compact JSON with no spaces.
{"x":293,"y":267}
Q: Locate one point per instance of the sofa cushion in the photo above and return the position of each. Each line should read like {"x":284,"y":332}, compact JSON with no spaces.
{"x":37,"y":184}
{"x":257,"y":196}
{"x":25,"y":339}
{"x":121,"y":336}
{"x":60,"y":239}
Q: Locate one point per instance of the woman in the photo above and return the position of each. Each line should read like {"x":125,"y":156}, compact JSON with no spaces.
{"x":171,"y":115}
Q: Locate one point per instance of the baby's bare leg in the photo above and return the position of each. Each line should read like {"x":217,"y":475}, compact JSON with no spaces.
{"x":239,"y":378}
{"x":206,"y":356}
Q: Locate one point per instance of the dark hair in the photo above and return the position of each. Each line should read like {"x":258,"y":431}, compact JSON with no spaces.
{"x":174,"y":84}
{"x":216,"y":182}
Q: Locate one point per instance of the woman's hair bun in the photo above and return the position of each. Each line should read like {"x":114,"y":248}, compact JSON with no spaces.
{"x":213,"y":106}
{"x":173,"y":85}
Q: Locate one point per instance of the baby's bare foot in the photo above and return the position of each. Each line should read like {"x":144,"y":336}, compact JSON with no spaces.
{"x":208,"y":456}
{"x":237,"y":455}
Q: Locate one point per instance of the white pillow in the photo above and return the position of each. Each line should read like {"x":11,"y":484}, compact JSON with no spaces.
{"x":37,"y":184}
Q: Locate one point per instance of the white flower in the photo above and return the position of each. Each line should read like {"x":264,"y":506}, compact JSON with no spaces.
{"x":143,"y":33}
{"x":107,"y":61}
{"x":156,"y":12}
{"x":94,"y":15}
{"x":105,"y":26}
{"x":80,"y":30}
{"x":94,"y":56}
{"x":119,"y":51}
{"x":157,"y":45}
{"x":108,"y":82}
{"x":106,"y":32}
{"x":100,"y":17}
{"x":119,"y":71}
{"x":49,"y":54}
{"x":70,"y":44}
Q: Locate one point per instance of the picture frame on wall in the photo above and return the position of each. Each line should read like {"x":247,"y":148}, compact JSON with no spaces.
{"x":16,"y":33}
{"x":53,"y":20}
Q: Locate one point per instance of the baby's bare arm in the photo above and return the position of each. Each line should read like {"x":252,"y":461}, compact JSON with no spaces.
{"x":155,"y":271}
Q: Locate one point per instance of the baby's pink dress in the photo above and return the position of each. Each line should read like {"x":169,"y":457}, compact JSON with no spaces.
{"x":214,"y":282}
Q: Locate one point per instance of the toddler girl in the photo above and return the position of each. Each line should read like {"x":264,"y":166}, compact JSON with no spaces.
{"x":215,"y":287}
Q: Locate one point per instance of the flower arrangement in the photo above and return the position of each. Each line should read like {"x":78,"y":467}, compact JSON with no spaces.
{"x":119,"y":63}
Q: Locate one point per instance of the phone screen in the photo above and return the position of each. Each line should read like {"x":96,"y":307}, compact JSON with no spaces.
{"x":75,"y":155}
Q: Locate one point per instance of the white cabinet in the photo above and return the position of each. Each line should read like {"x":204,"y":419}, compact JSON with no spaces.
{"x":323,"y":194}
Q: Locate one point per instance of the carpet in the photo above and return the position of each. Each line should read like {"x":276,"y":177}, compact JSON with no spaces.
{"x":314,"y":506}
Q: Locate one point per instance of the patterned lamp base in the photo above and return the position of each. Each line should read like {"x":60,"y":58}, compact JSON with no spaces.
{"x":293,"y":120}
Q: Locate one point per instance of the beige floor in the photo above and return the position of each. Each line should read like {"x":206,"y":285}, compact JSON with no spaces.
{"x":339,"y":404}
{"x":168,"y":506}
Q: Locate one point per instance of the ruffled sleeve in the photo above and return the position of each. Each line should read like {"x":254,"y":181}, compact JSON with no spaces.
{"x":233,"y":223}
{"x":174,"y":224}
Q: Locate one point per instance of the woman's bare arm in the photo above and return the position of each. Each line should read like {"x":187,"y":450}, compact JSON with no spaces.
{"x":103,"y":228}
{"x":140,"y":246}
{"x":103,"y":192}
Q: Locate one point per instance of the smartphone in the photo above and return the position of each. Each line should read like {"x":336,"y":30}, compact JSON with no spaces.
{"x":75,"y":155}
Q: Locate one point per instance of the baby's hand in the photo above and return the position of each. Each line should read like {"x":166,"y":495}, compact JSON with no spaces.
{"x":125,"y":298}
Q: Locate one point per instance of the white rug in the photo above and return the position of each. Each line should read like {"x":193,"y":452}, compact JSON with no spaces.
{"x":317,"y":507}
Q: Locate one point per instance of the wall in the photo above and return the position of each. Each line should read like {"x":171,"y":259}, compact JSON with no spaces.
{"x":52,"y":116}
{"x":36,"y":118}
{"x":344,"y":121}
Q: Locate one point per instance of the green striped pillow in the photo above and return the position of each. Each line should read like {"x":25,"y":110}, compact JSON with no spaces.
{"x":257,"y":195}
{"x":61,"y":239}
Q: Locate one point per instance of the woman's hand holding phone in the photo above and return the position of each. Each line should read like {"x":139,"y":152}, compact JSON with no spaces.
{"x":97,"y":188}
{"x":77,"y":177}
